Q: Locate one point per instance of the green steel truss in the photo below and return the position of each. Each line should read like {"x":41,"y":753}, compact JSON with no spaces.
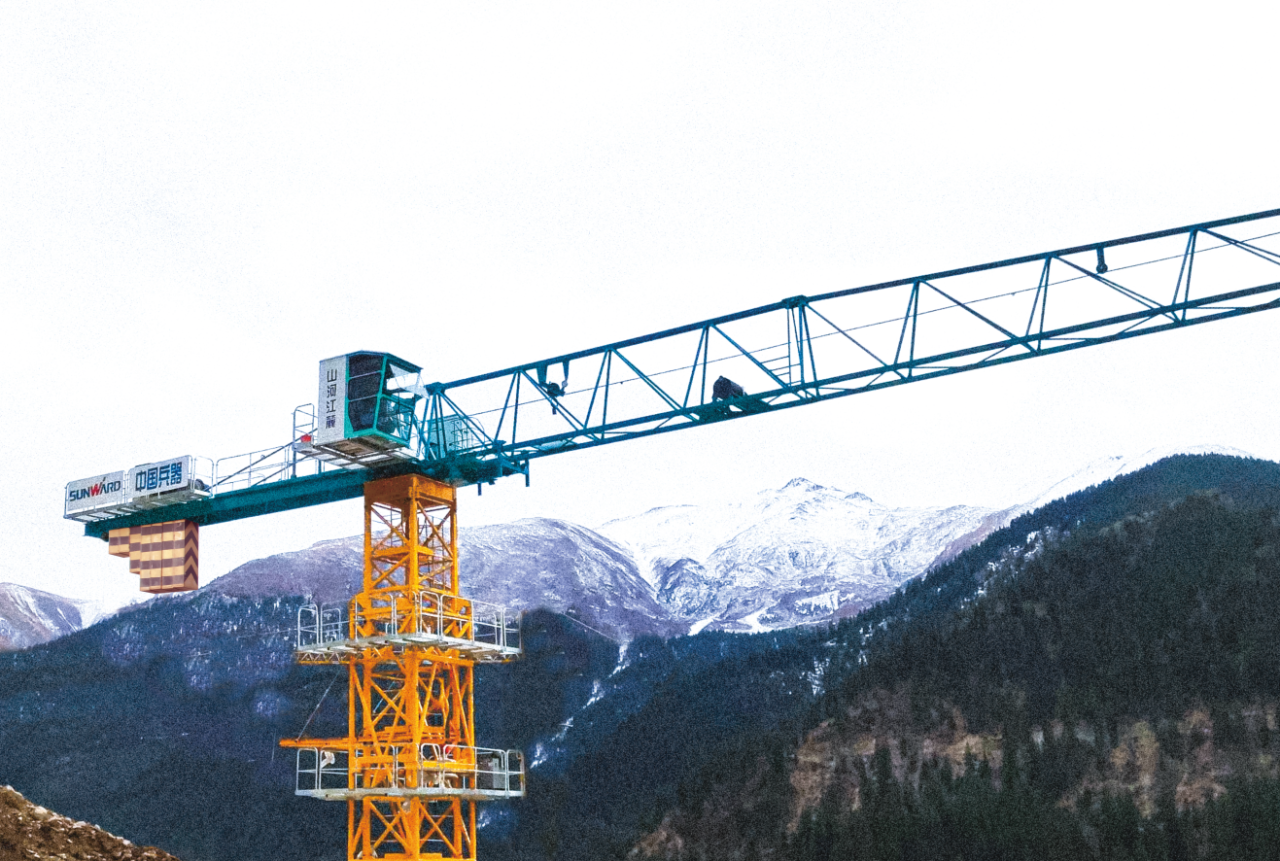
{"x":803,"y":350}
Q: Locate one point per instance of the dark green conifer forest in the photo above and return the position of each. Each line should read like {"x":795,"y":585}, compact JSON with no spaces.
{"x":1113,"y":677}
{"x":1098,"y":680}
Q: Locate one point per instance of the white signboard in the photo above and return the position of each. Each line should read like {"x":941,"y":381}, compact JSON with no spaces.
{"x":331,"y":403}
{"x":103,"y":491}
{"x":161,"y":476}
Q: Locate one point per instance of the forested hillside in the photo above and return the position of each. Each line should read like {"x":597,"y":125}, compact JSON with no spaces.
{"x":1104,"y":688}
{"x":1098,"y":680}
{"x":162,"y":725}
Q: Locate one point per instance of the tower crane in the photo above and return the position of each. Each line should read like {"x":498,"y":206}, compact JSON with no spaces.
{"x":409,"y":768}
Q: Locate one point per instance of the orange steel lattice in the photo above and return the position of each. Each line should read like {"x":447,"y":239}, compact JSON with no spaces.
{"x":409,"y":768}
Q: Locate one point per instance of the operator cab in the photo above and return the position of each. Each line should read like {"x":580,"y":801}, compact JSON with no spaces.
{"x":363,"y":411}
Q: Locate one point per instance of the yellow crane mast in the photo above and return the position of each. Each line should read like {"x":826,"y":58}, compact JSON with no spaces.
{"x":409,"y":768}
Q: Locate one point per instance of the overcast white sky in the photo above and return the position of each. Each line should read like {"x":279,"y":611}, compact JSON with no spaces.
{"x":198,"y":202}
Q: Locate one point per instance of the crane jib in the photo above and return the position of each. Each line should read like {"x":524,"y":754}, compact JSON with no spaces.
{"x":377,"y":418}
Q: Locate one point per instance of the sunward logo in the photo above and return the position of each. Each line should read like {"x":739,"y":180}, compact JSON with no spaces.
{"x":99,"y":489}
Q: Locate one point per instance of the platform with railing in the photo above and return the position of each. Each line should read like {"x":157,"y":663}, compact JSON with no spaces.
{"x":485,"y":633}
{"x":430,"y":770}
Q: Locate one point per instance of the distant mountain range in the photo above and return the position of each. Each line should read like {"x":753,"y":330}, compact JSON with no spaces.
{"x":795,"y":555}
{"x":718,"y":741}
{"x":30,"y":616}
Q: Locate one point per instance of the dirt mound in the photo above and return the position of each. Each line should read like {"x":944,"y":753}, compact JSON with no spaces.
{"x":31,"y":833}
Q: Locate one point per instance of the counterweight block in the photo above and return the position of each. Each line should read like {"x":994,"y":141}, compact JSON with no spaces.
{"x":165,"y":556}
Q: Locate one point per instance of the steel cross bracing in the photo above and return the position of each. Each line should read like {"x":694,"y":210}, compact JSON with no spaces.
{"x":812,"y":348}
{"x":408,"y":768}
{"x":797,"y":351}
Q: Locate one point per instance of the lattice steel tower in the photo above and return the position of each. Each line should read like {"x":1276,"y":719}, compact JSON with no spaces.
{"x":409,"y":768}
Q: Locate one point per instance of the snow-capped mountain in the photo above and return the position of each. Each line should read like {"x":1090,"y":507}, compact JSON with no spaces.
{"x":564,"y":567}
{"x":327,"y":571}
{"x":29,"y":617}
{"x":795,"y":555}
{"x":789,"y":556}
{"x":537,"y":562}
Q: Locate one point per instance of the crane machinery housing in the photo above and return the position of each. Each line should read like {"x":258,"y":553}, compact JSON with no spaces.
{"x":409,"y":767}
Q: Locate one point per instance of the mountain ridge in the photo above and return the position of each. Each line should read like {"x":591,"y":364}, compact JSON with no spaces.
{"x":1106,"y":689}
{"x":32,"y":616}
{"x":800,"y":554}
{"x":188,"y":695}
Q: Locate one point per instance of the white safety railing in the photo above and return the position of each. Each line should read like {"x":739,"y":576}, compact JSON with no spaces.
{"x":294,"y":459}
{"x":321,"y":770}
{"x":321,"y":623}
{"x":432,"y":769}
{"x":437,"y":619}
{"x":253,"y":468}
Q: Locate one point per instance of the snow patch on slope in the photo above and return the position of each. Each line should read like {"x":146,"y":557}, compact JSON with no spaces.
{"x":1107,"y":468}
{"x":793,"y":555}
{"x":29,"y":617}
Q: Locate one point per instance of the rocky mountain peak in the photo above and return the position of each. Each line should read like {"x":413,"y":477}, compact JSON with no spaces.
{"x":803,"y":484}
{"x":30,"y":616}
